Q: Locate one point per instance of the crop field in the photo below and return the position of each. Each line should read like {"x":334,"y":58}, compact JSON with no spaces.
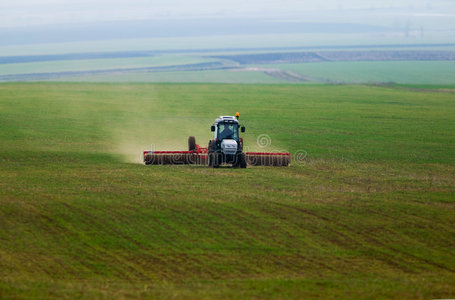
{"x":366,"y":209}
{"x":412,"y":64}
{"x":402,"y":72}
{"x":97,"y":64}
{"x":399,"y":72}
{"x":206,"y":76}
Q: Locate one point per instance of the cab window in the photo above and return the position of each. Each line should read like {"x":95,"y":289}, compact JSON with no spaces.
{"x":228,"y":131}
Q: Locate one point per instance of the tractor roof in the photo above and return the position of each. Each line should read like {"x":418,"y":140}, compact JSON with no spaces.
{"x":226,"y":119}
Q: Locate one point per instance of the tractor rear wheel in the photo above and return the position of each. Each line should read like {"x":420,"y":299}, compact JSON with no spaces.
{"x":192,"y":143}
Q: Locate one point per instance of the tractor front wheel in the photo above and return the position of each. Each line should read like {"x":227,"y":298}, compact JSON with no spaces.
{"x":214,"y":161}
{"x":240,"y":161}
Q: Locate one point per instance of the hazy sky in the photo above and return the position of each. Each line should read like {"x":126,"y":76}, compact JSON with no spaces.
{"x":14,"y":13}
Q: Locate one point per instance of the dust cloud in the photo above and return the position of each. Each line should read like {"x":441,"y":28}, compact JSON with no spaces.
{"x":129,"y":142}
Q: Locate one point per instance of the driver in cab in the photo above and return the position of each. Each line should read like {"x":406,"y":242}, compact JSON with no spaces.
{"x":225,"y":133}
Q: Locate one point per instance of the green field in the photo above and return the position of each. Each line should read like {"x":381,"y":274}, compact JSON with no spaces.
{"x":215,"y":76}
{"x":236,"y":65}
{"x":181,"y":71}
{"x":402,"y":72}
{"x":368,"y":210}
{"x":100,"y":64}
{"x":399,"y":72}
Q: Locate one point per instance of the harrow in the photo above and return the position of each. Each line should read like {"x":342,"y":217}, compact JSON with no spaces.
{"x":226,"y":147}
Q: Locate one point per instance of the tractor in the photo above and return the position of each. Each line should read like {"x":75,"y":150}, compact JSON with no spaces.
{"x":226,"y":147}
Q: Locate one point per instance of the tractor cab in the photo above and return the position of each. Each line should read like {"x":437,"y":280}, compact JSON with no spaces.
{"x":227,"y":131}
{"x":226,"y":128}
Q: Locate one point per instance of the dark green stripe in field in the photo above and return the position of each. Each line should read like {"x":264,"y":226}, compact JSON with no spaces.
{"x":367,"y":213}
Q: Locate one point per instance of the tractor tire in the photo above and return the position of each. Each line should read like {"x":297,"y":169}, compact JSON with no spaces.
{"x":242,"y":161}
{"x":214,"y":160}
{"x":210,"y":160}
{"x":236,"y":163}
{"x":192,"y":143}
{"x":210,"y":145}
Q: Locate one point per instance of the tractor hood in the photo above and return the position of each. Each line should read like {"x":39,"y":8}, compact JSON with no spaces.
{"x":229,"y":146}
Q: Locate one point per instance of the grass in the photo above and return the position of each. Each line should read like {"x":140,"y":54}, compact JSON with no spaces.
{"x":99,"y":64}
{"x":433,"y":73}
{"x":368,"y":213}
{"x":402,"y":72}
{"x":216,"y":76}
